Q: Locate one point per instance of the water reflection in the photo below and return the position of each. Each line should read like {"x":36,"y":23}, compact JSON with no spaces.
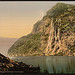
{"x":60,"y":64}
{"x":50,"y":64}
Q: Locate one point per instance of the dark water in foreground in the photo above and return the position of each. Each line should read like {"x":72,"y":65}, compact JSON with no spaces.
{"x":50,"y":64}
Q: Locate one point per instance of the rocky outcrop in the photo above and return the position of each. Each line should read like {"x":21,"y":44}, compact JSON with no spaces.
{"x":53,"y":35}
{"x":57,"y":44}
{"x":7,"y":64}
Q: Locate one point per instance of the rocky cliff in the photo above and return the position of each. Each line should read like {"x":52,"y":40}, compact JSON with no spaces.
{"x":53,"y":35}
{"x":7,"y":65}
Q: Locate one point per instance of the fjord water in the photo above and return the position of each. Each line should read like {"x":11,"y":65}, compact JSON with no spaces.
{"x":50,"y":64}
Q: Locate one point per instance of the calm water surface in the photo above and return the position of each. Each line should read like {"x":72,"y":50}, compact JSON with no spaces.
{"x":50,"y":64}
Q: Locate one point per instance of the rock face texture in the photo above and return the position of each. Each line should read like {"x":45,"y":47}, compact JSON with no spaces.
{"x":53,"y":35}
{"x":7,"y":64}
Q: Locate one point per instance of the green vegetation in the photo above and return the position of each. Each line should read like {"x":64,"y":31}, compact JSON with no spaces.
{"x":36,"y":27}
{"x":58,"y":9}
{"x":59,"y":54}
{"x":66,"y":21}
{"x":27,"y":44}
{"x":46,"y":37}
{"x":72,"y":48}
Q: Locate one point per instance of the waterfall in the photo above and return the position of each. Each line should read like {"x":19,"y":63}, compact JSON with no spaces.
{"x":48,"y":49}
{"x":59,"y":37}
{"x":54,"y":33}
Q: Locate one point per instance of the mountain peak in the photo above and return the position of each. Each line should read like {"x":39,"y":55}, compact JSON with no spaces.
{"x":58,"y":9}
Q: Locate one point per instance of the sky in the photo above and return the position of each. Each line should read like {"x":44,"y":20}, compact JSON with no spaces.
{"x":18,"y":17}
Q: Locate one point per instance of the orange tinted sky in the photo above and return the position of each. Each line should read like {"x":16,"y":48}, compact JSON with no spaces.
{"x":17,"y":18}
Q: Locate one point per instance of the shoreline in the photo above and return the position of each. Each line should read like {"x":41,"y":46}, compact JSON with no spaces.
{"x":9,"y":65}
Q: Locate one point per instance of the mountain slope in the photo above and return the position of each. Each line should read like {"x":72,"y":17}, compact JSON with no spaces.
{"x":53,"y":35}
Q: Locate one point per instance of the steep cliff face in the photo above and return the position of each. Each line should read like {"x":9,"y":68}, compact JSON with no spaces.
{"x":53,"y":35}
{"x":59,"y":43}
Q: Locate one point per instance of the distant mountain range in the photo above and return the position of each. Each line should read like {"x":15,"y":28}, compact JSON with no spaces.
{"x":5,"y":44}
{"x":54,"y":35}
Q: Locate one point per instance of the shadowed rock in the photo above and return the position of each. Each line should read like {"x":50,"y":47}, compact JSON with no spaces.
{"x":7,"y":64}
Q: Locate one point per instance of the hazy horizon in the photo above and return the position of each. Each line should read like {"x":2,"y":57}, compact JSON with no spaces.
{"x":5,"y":44}
{"x":18,"y":17}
